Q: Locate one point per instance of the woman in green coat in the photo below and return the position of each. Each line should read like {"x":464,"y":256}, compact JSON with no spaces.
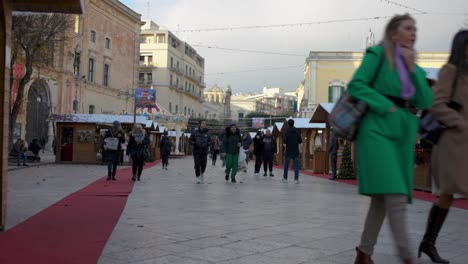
{"x":389,"y":81}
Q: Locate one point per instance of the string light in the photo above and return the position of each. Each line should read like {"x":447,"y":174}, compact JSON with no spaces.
{"x":255,"y":70}
{"x":289,"y":25}
{"x":251,"y":51}
{"x":404,"y":6}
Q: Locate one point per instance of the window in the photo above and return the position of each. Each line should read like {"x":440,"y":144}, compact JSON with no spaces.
{"x":177,"y":82}
{"x":334,"y":92}
{"x":141,"y":77}
{"x":176,"y":109}
{"x":170,"y":107}
{"x":108,"y":43}
{"x":177,"y":65}
{"x":186,"y":69}
{"x":172,"y":62}
{"x":77,"y":24}
{"x":142,"y":59}
{"x":76,"y":64}
{"x":185,"y":110}
{"x":161,"y":38}
{"x":170,"y":80}
{"x":149,"y":78}
{"x":150,"y":60}
{"x":185,"y":85}
{"x":92,"y":109}
{"x":91,"y":70}
{"x":92,"y":36}
{"x":106,"y":75}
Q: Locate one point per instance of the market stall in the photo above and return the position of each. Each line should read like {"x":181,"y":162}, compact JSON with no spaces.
{"x":78,"y":136}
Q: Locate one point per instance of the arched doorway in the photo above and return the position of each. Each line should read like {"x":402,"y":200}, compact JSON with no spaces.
{"x":37,"y":112}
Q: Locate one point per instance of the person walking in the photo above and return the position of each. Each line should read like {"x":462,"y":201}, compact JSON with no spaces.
{"x":165,"y":148}
{"x":112,"y":144}
{"x":200,"y":140}
{"x":232,"y":141}
{"x":449,"y":168}
{"x":333,"y":147}
{"x":138,"y":143}
{"x":214,"y":146}
{"x":292,"y":139}
{"x":246,"y":142}
{"x":389,"y":81}
{"x":20,"y":148}
{"x":269,"y":152}
{"x":258,"y":152}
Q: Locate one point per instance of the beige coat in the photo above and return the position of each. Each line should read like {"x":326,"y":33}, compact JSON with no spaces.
{"x":450,"y":155}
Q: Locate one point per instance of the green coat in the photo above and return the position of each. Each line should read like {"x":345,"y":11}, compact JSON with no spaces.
{"x":386,"y":140}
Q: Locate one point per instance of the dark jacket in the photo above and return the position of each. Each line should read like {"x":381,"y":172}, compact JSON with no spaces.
{"x":333,"y":144}
{"x":200,"y":140}
{"x":215,"y":145}
{"x":269,"y":145}
{"x":246,"y":142}
{"x":292,"y":139}
{"x":258,"y":146}
{"x":230,"y":141}
{"x":114,"y":155}
{"x":138,"y":151}
{"x":34,"y":147}
{"x":165,"y":146}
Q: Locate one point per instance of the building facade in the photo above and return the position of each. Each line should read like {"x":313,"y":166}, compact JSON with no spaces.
{"x":173,"y":68}
{"x":215,"y":104}
{"x":94,"y":71}
{"x":326,"y":75}
{"x":273,"y":101}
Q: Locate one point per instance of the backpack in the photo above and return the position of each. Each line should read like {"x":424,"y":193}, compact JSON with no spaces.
{"x":111,"y":143}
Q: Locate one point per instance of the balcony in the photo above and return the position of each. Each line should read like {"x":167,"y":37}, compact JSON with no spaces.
{"x":176,"y":70}
{"x":146,"y":65}
{"x":173,"y":86}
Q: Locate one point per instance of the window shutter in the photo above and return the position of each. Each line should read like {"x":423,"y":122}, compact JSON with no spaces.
{"x":330,"y":94}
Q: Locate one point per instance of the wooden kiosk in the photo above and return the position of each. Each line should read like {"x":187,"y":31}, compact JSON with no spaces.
{"x":77,"y":138}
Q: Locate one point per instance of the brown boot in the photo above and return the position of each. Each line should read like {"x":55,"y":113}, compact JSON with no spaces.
{"x":435,"y":221}
{"x":362,"y":258}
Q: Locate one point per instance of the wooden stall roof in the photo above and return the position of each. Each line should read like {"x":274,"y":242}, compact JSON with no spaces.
{"x":321,"y":114}
{"x":302,"y":123}
{"x":49,"y":6}
{"x":95,"y":118}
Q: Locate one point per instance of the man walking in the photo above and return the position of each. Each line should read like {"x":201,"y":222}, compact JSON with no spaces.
{"x":200,"y":141}
{"x":269,"y":152}
{"x":165,"y":150}
{"x":333,"y":152}
{"x":292,"y":139}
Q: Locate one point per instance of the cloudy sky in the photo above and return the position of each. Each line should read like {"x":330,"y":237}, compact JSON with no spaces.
{"x":250,"y":71}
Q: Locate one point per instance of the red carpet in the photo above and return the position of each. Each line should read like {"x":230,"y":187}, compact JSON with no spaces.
{"x":420,"y":195}
{"x":74,"y":230}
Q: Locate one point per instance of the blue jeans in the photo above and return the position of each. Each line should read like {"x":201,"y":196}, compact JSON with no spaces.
{"x":20,"y":156}
{"x":295,"y":164}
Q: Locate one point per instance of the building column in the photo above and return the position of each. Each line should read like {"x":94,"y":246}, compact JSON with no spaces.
{"x":5,"y":56}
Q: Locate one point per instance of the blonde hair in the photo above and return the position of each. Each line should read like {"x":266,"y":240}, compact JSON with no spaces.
{"x":387,"y":42}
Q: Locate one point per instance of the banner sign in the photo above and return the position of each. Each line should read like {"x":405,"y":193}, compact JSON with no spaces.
{"x":258,"y":122}
{"x":145,"y":98}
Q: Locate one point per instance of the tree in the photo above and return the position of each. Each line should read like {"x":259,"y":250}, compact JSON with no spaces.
{"x":34,"y":37}
{"x":346,"y":167}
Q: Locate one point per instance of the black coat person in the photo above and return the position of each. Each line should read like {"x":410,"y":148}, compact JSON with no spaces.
{"x":138,"y":150}
{"x":333,"y":146}
{"x":112,"y":144}
{"x":165,"y":148}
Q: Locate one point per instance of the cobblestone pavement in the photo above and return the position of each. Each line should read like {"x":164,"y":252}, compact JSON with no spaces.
{"x":170,"y":219}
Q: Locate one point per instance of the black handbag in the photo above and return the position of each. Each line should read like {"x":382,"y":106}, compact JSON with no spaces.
{"x":430,"y":129}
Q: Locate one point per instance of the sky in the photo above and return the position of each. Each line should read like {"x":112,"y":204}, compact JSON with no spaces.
{"x":437,"y":22}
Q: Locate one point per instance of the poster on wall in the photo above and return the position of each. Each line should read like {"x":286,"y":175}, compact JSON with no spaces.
{"x":85,"y":136}
{"x":258,"y":122}
{"x":145,"y":98}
